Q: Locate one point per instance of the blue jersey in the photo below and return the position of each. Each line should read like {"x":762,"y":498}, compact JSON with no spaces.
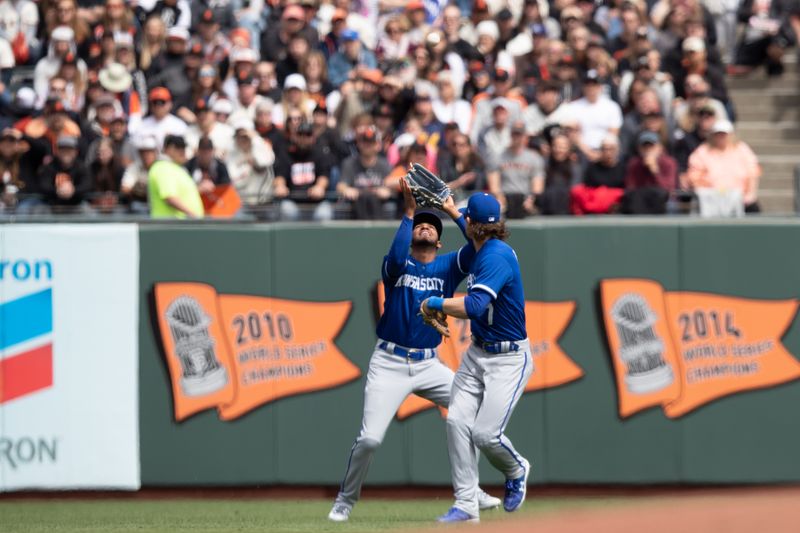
{"x":407,"y":282}
{"x":495,"y":271}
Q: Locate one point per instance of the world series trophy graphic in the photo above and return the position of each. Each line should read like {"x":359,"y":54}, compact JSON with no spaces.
{"x":641,"y":349}
{"x":202,"y":372}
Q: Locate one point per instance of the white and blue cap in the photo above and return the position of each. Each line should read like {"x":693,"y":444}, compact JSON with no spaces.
{"x":483,"y":208}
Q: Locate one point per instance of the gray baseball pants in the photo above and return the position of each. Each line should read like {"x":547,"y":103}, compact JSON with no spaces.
{"x":390,"y":379}
{"x":486,"y":388}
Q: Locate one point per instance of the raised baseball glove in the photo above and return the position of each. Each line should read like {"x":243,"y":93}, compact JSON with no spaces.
{"x":427,"y":188}
{"x":435,"y":319}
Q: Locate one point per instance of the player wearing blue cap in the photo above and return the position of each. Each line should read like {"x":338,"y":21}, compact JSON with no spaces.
{"x":494,"y":369}
{"x":404,"y":360}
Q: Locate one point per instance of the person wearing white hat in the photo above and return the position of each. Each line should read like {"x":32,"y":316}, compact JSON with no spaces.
{"x":250,"y":162}
{"x":62,"y":43}
{"x":134,"y":181}
{"x":724,"y":164}
{"x":294,"y":97}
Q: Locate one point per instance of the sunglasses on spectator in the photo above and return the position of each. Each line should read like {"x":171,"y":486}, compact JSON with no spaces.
{"x":305,"y":134}
{"x":158,"y":102}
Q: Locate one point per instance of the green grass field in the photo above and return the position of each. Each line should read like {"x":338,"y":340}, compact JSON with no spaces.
{"x":230,"y":515}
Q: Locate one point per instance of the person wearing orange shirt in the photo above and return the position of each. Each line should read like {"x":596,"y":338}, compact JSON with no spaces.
{"x":724,"y":163}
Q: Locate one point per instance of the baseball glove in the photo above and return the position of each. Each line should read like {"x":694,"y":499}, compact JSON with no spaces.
{"x":435,"y":319}
{"x":427,"y":188}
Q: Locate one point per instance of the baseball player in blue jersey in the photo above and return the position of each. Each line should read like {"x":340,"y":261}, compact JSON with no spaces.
{"x":405,"y":357}
{"x":495,"y":368}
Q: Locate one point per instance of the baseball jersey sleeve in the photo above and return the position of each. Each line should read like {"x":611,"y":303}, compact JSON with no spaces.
{"x":492,"y":272}
{"x":395,"y":261}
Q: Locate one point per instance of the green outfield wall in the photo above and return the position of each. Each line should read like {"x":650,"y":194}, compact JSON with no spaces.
{"x":573,"y":432}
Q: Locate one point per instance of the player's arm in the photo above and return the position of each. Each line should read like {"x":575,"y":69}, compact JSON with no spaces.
{"x":395,"y":261}
{"x":471,"y":306}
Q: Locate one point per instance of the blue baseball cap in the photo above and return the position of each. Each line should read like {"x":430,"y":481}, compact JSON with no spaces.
{"x":483,"y":208}
{"x":429,"y":217}
{"x":349,"y":35}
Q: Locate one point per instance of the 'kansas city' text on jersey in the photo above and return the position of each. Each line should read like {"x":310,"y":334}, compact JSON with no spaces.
{"x":407,"y":282}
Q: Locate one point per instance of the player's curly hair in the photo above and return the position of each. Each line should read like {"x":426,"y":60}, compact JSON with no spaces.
{"x":495,"y":230}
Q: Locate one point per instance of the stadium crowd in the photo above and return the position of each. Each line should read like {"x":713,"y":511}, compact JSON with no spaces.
{"x":315,"y":108}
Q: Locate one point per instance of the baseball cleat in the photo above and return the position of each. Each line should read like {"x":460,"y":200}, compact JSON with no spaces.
{"x":339,"y":513}
{"x":487,"y":501}
{"x":516,"y":489}
{"x":457,"y":515}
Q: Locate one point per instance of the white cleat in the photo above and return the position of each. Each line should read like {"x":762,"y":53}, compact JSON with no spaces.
{"x":487,"y":501}
{"x":339,"y":513}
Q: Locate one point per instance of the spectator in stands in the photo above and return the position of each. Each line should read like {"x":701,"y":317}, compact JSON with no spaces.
{"x":724,"y":163}
{"x":62,"y":42}
{"x":603,"y":183}
{"x":329,"y":140}
{"x":546,"y":110}
{"x":121,"y":143}
{"x":597,"y":115}
{"x":295,"y":98}
{"x":127,"y":83}
{"x":394,"y":44}
{"x":152,"y":45}
{"x":502,"y":91}
{"x":65,"y":182}
{"x":207,"y":125}
{"x":351,"y":54}
{"x":314,"y":69}
{"x":651,"y":175}
{"x":462,"y":169}
{"x":171,"y":191}
{"x":207,"y":170}
{"x":362,"y":179}
{"x":106,"y":174}
{"x":562,"y":172}
{"x":296,"y":53}
{"x":174,"y":13}
{"x":302,"y":176}
{"x":275,"y":40}
{"x":214,"y":44}
{"x":17,"y":167}
{"x":170,"y":63}
{"x":268,"y":87}
{"x":330,"y":44}
{"x":250,"y":163}
{"x":687,"y":142}
{"x":52,"y":124}
{"x":698,"y":96}
{"x":243,"y":62}
{"x":517,"y":175}
{"x":19,"y":23}
{"x":66,"y":13}
{"x":134,"y":180}
{"x":161,"y":122}
{"x":494,"y":139}
{"x":448,"y":107}
{"x":767,"y":34}
{"x":647,"y":69}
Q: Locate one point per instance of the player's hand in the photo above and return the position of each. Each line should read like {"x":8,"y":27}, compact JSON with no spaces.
{"x":449,"y":207}
{"x":408,"y":198}
{"x":435,"y":319}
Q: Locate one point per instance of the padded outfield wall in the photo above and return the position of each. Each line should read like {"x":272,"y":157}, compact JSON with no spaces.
{"x":709,"y":308}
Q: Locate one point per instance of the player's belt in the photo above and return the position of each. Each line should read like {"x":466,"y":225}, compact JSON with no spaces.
{"x":495,"y":347}
{"x":412,"y":354}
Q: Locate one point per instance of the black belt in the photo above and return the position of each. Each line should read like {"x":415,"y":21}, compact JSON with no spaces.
{"x":408,"y":353}
{"x":495,"y":347}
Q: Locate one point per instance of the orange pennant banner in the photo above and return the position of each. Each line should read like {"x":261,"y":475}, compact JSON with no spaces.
{"x":236,"y":353}
{"x":682,"y":350}
{"x":545,"y":323}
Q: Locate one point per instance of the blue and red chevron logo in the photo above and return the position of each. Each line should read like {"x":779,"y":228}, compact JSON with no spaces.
{"x":26,"y":345}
